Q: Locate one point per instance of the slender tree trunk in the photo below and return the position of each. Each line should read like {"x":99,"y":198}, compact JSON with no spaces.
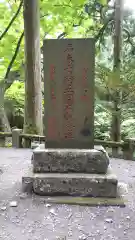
{"x":116,"y":115}
{"x":33,"y":95}
{"x":4,"y":123}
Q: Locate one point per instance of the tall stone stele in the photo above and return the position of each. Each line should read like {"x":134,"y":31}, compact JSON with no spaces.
{"x":69,"y":163}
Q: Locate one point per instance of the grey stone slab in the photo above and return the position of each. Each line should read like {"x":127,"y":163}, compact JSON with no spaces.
{"x":69,"y":92}
{"x":71,"y":184}
{"x":97,"y":147}
{"x":87,"y":201}
{"x":70,"y":160}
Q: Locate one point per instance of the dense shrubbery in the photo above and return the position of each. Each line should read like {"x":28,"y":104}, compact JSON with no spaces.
{"x":14,"y":104}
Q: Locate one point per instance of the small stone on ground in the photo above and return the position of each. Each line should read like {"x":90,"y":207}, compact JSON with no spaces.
{"x":13,"y":204}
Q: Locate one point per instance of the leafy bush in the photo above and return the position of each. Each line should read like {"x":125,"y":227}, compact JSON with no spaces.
{"x":102,"y":122}
{"x":128,"y":128}
{"x":14,"y":99}
{"x":14,"y":104}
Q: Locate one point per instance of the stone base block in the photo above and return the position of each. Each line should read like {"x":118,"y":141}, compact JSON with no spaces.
{"x":87,"y":201}
{"x":70,"y":160}
{"x":73,"y":184}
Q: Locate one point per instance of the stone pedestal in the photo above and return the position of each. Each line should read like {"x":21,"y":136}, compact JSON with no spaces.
{"x":73,"y":184}
{"x":69,"y":160}
{"x":71,"y":172}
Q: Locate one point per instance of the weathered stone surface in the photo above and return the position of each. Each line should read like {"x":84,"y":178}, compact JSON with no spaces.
{"x":69,"y":92}
{"x":74,"y":184}
{"x":16,"y":140}
{"x":27,"y":183}
{"x":34,"y":145}
{"x":70,"y":160}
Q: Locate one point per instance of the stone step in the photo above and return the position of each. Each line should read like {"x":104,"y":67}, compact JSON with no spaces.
{"x":70,"y":160}
{"x":72,"y":184}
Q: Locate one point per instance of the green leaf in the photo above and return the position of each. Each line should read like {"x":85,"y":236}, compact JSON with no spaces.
{"x":103,"y":2}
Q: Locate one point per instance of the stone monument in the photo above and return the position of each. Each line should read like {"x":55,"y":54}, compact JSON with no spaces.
{"x":69,"y":163}
{"x":69,"y":93}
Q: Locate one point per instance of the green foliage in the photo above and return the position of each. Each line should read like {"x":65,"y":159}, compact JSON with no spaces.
{"x":103,"y":2}
{"x":102,"y":122}
{"x":56,"y":17}
{"x":14,"y":99}
{"x":128,"y":128}
{"x":9,"y":41}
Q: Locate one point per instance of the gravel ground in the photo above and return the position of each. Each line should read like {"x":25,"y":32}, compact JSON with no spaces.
{"x":28,"y":217}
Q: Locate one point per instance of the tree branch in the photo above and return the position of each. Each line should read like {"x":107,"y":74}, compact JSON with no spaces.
{"x":7,"y":82}
{"x":128,"y":39}
{"x":67,"y":5}
{"x":12,"y":20}
{"x":45,"y":15}
{"x":101,"y":31}
{"x":62,"y":35}
{"x":128,"y":35}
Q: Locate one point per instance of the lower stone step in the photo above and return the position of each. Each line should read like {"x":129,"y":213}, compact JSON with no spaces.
{"x":72,"y":184}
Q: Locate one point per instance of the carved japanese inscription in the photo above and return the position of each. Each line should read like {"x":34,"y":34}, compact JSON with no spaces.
{"x":69,"y":93}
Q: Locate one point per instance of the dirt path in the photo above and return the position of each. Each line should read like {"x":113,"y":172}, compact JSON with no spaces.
{"x":32,"y":219}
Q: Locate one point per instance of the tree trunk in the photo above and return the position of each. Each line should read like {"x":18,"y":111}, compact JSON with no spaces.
{"x":33,"y":95}
{"x":116,"y":114}
{"x":5,"y":126}
{"x":4,"y":123}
